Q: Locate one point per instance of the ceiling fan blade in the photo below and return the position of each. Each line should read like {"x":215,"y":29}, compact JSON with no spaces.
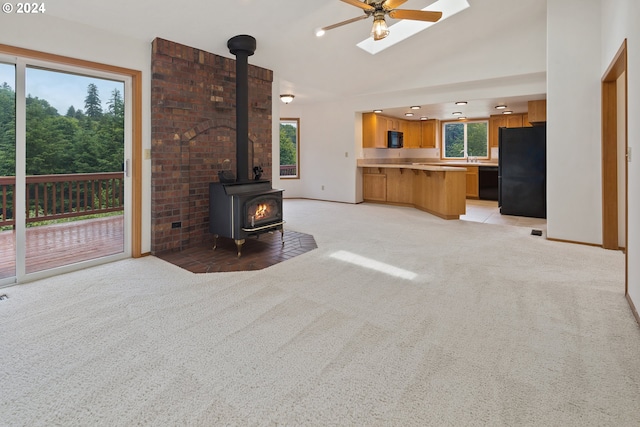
{"x":392,"y":4}
{"x":348,"y":21}
{"x":360,"y":4}
{"x":416,"y":15}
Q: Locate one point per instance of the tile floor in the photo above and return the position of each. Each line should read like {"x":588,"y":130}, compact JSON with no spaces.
{"x":487,"y":211}
{"x":257,"y":254}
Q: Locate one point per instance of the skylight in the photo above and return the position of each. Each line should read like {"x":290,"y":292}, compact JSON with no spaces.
{"x":407,"y":27}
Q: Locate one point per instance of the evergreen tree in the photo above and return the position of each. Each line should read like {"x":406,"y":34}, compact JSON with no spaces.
{"x":92,"y":104}
{"x":71,"y":112}
{"x":116,"y":104}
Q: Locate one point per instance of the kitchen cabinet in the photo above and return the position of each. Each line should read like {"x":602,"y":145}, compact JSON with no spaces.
{"x":430,"y":130}
{"x":399,"y":185}
{"x":503,"y":121}
{"x":374,"y":187}
{"x":538,"y":111}
{"x":472,"y":182}
{"x":412,"y":130}
{"x":374,"y":131}
{"x":525,"y":121}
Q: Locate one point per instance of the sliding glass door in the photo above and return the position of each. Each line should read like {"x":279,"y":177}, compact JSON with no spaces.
{"x":7,"y":172}
{"x":70,"y":170}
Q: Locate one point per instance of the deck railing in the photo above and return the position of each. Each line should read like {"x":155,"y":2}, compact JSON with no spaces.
{"x":288,"y":170}
{"x":63,"y":196}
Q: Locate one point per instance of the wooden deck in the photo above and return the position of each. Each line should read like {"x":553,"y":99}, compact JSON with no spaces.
{"x":50,"y":246}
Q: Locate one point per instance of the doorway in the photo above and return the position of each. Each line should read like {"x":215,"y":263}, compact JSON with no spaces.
{"x":615,"y":155}
{"x":75,"y":131}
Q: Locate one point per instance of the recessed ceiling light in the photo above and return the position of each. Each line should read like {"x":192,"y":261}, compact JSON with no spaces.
{"x":500,"y":107}
{"x":457,"y":113}
{"x":408,"y":114}
{"x":415,"y":107}
{"x":424,"y":118}
{"x":507,"y":112}
{"x":462,"y":118}
{"x":377,"y":111}
{"x":461,"y":103}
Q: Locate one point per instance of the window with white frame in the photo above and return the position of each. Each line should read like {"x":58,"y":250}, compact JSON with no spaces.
{"x":466,"y":139}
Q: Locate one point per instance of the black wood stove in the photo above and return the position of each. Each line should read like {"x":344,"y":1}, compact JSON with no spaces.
{"x":243,"y":207}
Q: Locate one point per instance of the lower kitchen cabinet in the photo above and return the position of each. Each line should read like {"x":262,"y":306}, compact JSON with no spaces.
{"x":374,"y":187}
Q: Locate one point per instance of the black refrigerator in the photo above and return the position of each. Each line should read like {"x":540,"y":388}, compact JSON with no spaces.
{"x":522,"y":171}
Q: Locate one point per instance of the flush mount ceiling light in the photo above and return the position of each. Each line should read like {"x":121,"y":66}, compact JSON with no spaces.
{"x":500,"y":107}
{"x":457,"y":113}
{"x":286,"y":98}
{"x":462,"y":118}
{"x":415,"y":107}
{"x":377,"y":111}
{"x":424,"y":118}
{"x":507,"y":112}
{"x":461,"y":103}
{"x":407,"y":27}
{"x":408,"y":114}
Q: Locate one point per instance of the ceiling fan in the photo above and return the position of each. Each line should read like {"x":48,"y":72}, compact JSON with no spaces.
{"x":379,"y":9}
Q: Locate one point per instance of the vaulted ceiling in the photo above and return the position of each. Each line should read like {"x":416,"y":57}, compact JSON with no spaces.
{"x":317,"y":69}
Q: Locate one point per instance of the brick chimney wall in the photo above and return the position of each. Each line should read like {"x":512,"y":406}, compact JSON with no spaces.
{"x":193,"y":117}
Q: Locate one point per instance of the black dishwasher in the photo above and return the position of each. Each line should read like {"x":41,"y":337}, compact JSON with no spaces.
{"x":488,"y":182}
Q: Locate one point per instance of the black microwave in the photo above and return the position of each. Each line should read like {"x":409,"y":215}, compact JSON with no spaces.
{"x":394,"y":139}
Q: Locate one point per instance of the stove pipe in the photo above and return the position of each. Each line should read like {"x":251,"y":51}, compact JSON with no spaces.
{"x":242,"y":46}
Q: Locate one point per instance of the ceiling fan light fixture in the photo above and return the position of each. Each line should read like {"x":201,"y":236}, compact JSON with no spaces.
{"x":320,"y":32}
{"x":380,"y":29}
{"x":286,"y":98}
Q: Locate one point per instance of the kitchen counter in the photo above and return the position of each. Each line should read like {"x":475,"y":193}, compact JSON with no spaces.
{"x":416,"y":166}
{"x":439,"y":190}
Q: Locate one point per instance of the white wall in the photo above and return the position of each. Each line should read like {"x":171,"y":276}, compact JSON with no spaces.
{"x":620,"y":21}
{"x":48,"y":34}
{"x":574,"y":205}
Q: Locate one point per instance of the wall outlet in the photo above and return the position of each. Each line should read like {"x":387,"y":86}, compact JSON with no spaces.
{"x":147,"y":154}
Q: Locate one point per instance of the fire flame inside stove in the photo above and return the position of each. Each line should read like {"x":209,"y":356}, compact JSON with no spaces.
{"x":262,"y":211}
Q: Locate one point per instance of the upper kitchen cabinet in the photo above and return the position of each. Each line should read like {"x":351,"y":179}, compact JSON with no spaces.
{"x":374,"y":130}
{"x":538,"y":111}
{"x":412,"y":134}
{"x":504,"y":121}
{"x":430,"y":129}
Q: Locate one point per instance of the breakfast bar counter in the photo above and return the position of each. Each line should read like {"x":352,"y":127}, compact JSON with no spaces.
{"x":436,"y":189}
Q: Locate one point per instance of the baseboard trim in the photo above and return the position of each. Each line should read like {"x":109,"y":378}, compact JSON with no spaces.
{"x":633,"y":308}
{"x":575,"y":242}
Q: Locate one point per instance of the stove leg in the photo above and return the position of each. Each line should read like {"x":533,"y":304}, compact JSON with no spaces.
{"x":215,"y":241}
{"x":282,"y":235}
{"x":239,"y":244}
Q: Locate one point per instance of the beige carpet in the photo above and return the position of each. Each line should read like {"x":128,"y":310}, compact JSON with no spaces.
{"x":397,"y":319}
